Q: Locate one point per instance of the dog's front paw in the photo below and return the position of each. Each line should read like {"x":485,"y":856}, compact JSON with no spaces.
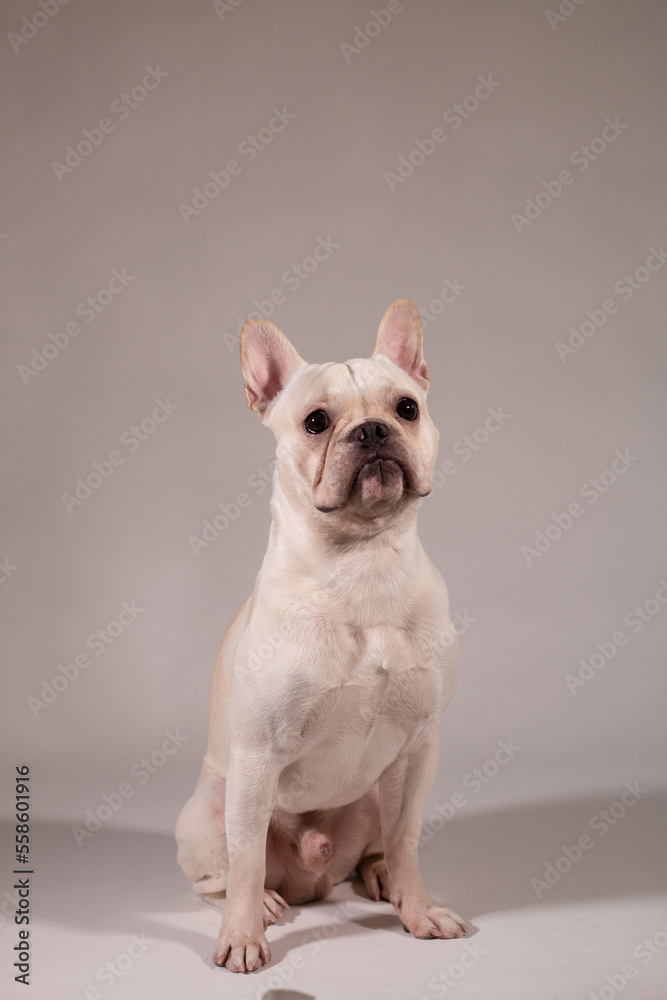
{"x":432,"y":921}
{"x":241,"y":951}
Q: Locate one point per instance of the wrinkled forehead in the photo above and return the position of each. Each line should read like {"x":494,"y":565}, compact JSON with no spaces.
{"x":359,"y":384}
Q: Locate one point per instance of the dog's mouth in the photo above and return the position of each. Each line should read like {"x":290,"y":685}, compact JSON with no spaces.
{"x":379,"y":479}
{"x":382,"y":467}
{"x":376,"y":478}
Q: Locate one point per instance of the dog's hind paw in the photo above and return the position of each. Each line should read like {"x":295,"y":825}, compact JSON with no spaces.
{"x":274,"y":906}
{"x":375,"y":877}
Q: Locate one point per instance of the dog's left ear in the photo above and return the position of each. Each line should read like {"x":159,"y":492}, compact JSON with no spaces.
{"x":268,"y":361}
{"x":400,"y":339}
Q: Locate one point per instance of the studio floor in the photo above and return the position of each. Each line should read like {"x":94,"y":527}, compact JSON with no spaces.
{"x":113,"y":917}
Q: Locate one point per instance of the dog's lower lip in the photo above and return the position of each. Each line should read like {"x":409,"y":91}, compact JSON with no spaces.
{"x":369,"y":461}
{"x":408,"y":482}
{"x":378,"y":460}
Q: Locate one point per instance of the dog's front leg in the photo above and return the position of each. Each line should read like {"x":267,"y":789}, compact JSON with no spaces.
{"x":251,"y":781}
{"x":404,"y":789}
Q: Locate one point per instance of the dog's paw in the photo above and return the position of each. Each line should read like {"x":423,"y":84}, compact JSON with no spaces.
{"x":241,"y":952}
{"x":274,"y":906}
{"x":375,"y":878}
{"x":432,"y":922}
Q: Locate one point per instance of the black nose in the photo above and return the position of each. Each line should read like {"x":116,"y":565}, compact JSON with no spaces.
{"x":370,"y":434}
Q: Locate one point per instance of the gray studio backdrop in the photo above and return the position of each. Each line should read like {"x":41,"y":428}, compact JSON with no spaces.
{"x":172,"y":168}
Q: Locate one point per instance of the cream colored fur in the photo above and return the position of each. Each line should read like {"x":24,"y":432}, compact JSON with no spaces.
{"x":331,"y":680}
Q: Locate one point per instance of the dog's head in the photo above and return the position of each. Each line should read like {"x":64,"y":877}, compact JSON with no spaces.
{"x":354,"y":440}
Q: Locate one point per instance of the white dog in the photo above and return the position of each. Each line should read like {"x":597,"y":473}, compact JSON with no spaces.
{"x":331,"y":679}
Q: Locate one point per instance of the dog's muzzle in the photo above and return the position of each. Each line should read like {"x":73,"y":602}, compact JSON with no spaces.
{"x":362,"y":446}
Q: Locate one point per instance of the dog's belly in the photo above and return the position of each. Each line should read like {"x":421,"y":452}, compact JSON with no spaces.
{"x":336,"y":775}
{"x":353,"y":733}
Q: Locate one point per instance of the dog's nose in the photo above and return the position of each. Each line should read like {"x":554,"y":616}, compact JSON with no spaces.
{"x":370,"y":434}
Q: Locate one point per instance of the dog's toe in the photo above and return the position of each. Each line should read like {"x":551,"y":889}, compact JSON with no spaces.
{"x":376,"y":879}
{"x":274,"y":906}
{"x":433,"y":922}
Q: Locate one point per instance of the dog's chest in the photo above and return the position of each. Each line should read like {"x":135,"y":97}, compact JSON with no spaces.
{"x":350,"y":731}
{"x":381,"y":652}
{"x":382,"y":672}
{"x":381,"y":675}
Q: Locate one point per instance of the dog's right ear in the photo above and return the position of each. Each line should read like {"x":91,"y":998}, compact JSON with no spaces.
{"x":268,"y":361}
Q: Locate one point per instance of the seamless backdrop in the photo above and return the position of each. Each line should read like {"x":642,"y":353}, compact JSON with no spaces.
{"x":173,"y":168}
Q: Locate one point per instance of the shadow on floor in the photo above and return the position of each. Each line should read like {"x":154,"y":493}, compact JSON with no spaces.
{"x":477,"y":864}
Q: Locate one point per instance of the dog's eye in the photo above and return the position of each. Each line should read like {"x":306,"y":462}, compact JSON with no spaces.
{"x":316,"y":422}
{"x":407,"y":408}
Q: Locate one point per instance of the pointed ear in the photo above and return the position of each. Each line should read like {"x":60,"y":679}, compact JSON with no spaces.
{"x":268,"y":361}
{"x":400,"y":339}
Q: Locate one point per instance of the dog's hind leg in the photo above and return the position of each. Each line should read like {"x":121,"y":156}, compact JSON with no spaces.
{"x":200,"y":835}
{"x":202,"y":846}
{"x":371,"y":865}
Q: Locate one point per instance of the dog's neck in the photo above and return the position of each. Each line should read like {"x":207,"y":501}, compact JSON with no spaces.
{"x":305,"y":543}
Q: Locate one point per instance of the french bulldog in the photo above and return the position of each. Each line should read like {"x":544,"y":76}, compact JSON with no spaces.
{"x":330,"y":682}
